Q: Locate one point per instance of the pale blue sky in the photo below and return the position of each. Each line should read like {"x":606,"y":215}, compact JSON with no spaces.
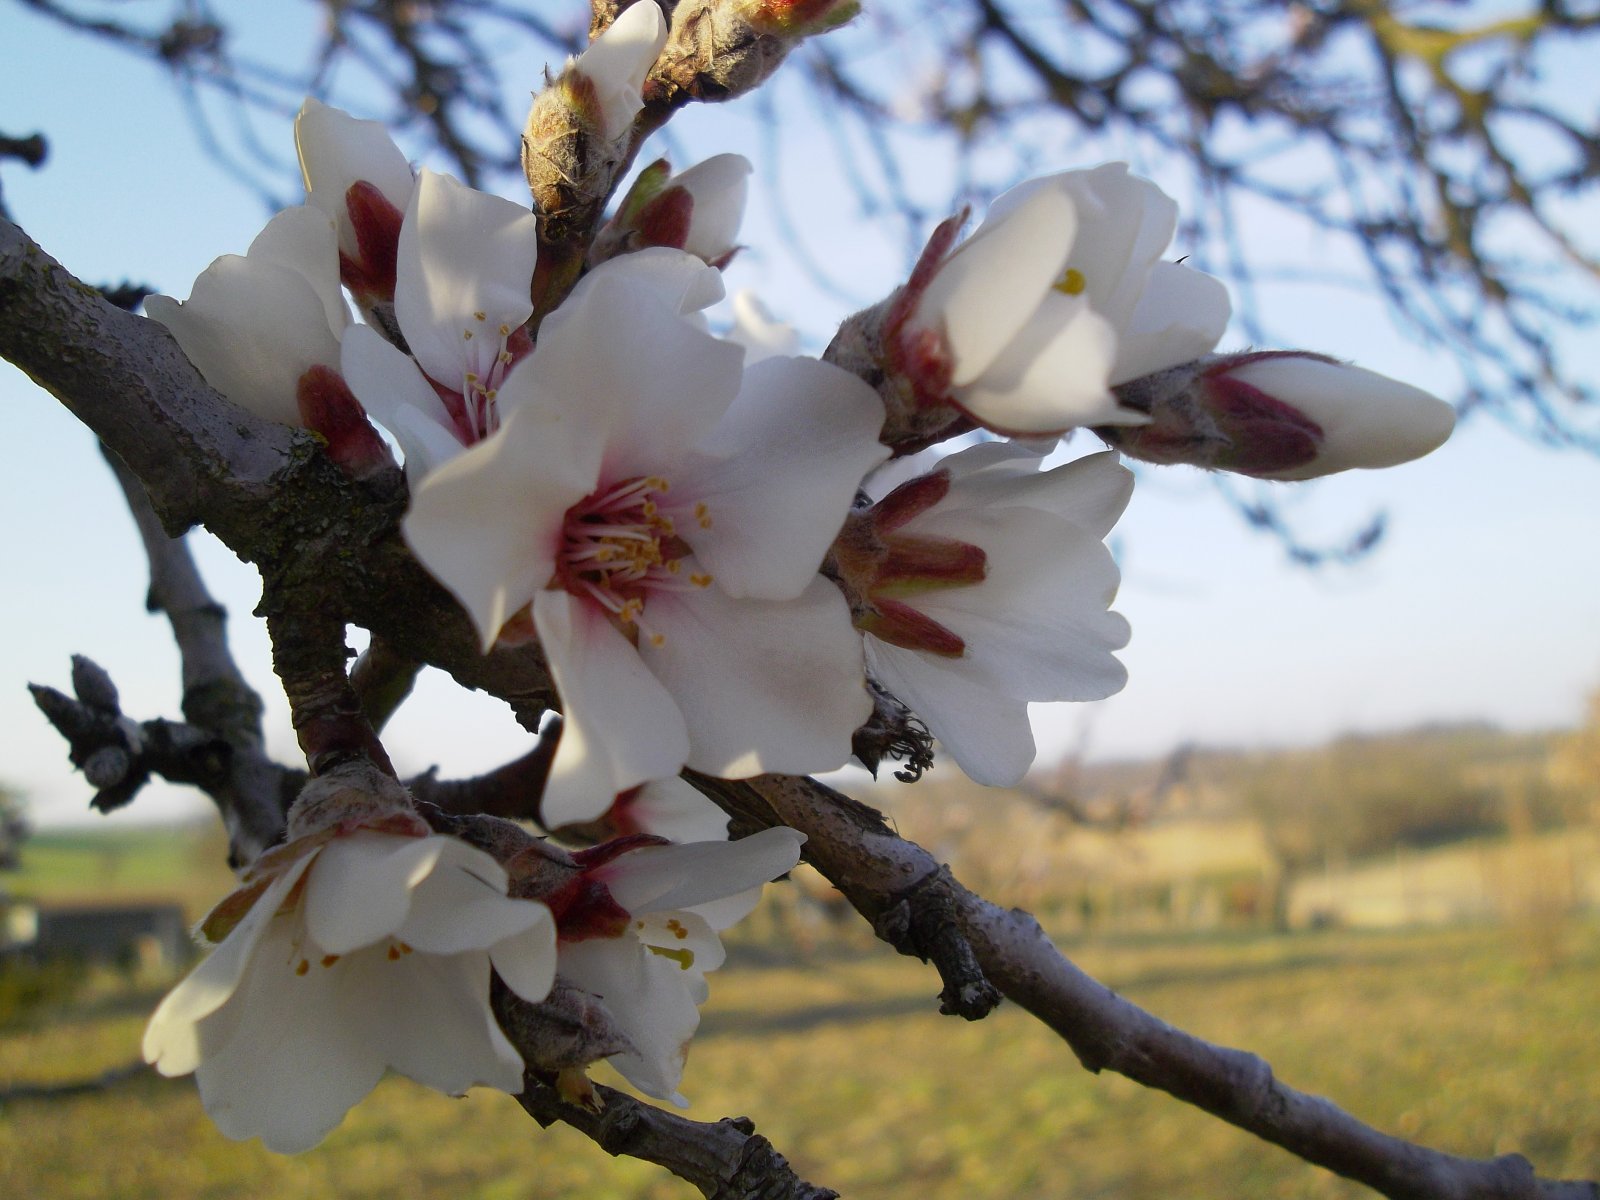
{"x":1484,"y":601}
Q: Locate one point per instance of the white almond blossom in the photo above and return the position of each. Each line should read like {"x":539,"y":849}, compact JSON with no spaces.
{"x":352,"y":952}
{"x":646,"y":958}
{"x":461,"y":299}
{"x":987,"y":586}
{"x":256,"y":324}
{"x":1061,"y":294}
{"x":1357,"y":418}
{"x":668,"y":808}
{"x":665,"y":513}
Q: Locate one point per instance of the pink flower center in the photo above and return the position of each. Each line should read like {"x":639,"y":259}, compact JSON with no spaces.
{"x":488,"y":352}
{"x":621,"y":543}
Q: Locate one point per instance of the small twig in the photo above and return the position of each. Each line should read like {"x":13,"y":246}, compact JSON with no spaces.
{"x":512,"y":791}
{"x":727,"y":1160}
{"x":382,"y":679}
{"x":77,"y":1087}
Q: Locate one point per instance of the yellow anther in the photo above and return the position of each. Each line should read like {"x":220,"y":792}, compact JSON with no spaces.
{"x":700,"y":579}
{"x":1072,"y":283}
{"x":675,"y":927}
{"x":658,"y":640}
{"x":702,"y":514}
{"x":649,"y":508}
{"x":675,"y":566}
{"x":478,"y":316}
{"x":472,"y":377}
{"x":329,"y":959}
{"x":302,"y":968}
{"x":466,"y":335}
{"x":684,"y":958}
{"x":658,"y":484}
{"x":394,"y":952}
{"x":505,"y":358}
{"x":505,"y":331}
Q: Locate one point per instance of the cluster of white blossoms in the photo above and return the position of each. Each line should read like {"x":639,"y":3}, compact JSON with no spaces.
{"x":702,"y":535}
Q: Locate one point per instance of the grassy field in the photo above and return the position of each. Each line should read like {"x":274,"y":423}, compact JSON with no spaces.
{"x":1462,"y":1039}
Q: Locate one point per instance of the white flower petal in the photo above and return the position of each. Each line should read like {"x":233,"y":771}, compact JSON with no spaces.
{"x":336,"y":151}
{"x":672,"y":809}
{"x":360,"y":891}
{"x":1037,"y":626}
{"x":1181,"y":315}
{"x":666,"y":878}
{"x":778,"y":474}
{"x":535,"y":468}
{"x":465,"y":266}
{"x":253,"y":325}
{"x":986,"y":731}
{"x":302,"y":238}
{"x":987,"y":290}
{"x":621,"y":726}
{"x":462,"y":905}
{"x":527,"y":961}
{"x":299,"y":1055}
{"x":1053,"y":375}
{"x":648,"y":997}
{"x":763,"y":685}
{"x":171,"y":1041}
{"x":618,"y":61}
{"x":622,"y":351}
{"x":718,"y":187}
{"x":392,"y":389}
{"x":760,"y":333}
{"x":1091,"y":492}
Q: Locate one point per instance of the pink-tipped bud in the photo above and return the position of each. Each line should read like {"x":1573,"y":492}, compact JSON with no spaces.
{"x":1285,"y":415}
{"x":698,"y":210}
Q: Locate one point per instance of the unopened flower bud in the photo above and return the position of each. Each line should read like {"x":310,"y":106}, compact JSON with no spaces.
{"x":697,"y":211}
{"x":797,"y":18}
{"x":1285,"y":415}
{"x":608,"y":77}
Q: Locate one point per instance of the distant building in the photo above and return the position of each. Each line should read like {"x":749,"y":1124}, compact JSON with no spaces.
{"x":113,"y":934}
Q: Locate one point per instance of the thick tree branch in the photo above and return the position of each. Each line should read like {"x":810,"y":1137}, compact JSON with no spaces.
{"x":252,"y":792}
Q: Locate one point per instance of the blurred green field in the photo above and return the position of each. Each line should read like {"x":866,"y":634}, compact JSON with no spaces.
{"x":1463,"y":1039}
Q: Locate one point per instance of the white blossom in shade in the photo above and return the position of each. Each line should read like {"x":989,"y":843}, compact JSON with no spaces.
{"x":665,"y":512}
{"x":350,"y":953}
{"x":616,"y":63}
{"x":985,"y":585}
{"x":760,"y":333}
{"x":461,"y":299}
{"x":647,"y":952}
{"x":1357,"y":418}
{"x":255,"y":324}
{"x":355,"y":173}
{"x":1059,"y":295}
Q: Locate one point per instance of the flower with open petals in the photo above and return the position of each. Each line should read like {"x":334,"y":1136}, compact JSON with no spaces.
{"x":665,"y":513}
{"x":1058,"y":296}
{"x":348,"y":952}
{"x":461,"y":300}
{"x":984,"y":585}
{"x":638,"y":927}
